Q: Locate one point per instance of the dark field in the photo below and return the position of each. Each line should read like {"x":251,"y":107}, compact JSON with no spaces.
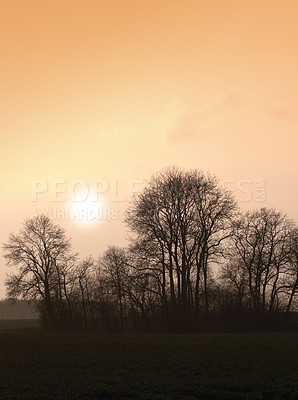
{"x":46,"y":365}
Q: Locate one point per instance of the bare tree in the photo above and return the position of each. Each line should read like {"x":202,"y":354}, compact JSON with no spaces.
{"x":114,"y":264}
{"x":234,"y":275}
{"x":181,"y":219}
{"x":290,"y":279}
{"x":259,"y":257}
{"x":41,"y":253}
{"x":83,"y":292}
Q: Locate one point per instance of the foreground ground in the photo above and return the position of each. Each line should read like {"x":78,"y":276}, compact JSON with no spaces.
{"x":45,"y":365}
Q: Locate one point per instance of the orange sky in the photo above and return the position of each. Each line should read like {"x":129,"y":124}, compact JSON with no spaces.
{"x":105,"y":90}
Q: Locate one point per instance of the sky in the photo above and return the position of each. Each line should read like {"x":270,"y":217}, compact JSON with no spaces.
{"x":98,"y":95}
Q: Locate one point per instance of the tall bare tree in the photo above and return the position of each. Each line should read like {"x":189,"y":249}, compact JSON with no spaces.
{"x":181,"y":219}
{"x":42,"y":254}
{"x":114,"y":264}
{"x":290,"y":280}
{"x":259,"y":257}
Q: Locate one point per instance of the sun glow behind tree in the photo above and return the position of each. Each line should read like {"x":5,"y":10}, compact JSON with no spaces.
{"x":86,"y":208}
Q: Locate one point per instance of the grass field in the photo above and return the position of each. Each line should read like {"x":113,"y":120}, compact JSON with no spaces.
{"x":35,"y":364}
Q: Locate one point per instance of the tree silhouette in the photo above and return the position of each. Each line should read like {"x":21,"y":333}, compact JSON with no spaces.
{"x":185,"y":228}
{"x":180,"y":221}
{"x":41,"y":252}
{"x":259,"y":258}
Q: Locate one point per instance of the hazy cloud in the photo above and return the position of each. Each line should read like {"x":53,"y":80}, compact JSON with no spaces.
{"x":200,"y":120}
{"x":187,"y":127}
{"x":282,"y":113}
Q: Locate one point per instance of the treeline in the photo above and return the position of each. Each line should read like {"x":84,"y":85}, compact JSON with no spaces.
{"x":195,"y":263}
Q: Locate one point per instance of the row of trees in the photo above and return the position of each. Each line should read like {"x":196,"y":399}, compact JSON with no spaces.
{"x":194,"y":262}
